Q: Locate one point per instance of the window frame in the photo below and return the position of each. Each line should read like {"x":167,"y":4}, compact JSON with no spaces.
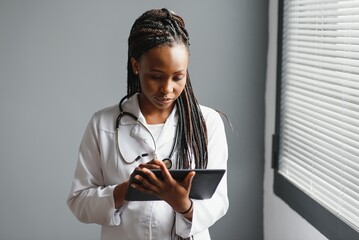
{"x":330,"y":225}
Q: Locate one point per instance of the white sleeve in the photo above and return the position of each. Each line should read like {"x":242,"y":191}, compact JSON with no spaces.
{"x":207,"y":212}
{"x":89,"y":199}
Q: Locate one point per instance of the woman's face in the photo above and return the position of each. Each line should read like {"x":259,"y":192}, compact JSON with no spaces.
{"x":162,"y":72}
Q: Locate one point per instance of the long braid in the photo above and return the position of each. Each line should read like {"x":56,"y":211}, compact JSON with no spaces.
{"x":160,"y":27}
{"x":193,"y":129}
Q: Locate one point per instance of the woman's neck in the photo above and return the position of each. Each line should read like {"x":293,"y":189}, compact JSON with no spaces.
{"x":152,"y":114}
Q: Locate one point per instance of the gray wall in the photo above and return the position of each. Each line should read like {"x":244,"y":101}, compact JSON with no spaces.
{"x":62,"y":60}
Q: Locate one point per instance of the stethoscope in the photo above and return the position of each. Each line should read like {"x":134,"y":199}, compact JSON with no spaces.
{"x":167,"y":161}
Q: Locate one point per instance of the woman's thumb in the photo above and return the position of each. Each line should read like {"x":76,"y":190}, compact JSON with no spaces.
{"x":188,"y":180}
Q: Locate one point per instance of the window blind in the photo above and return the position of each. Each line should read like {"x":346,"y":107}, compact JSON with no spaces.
{"x":319,"y":107}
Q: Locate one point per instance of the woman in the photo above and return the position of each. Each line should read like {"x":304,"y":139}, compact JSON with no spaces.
{"x":158,"y":119}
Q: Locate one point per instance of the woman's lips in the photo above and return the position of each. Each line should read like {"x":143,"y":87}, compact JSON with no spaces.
{"x":164,"y":101}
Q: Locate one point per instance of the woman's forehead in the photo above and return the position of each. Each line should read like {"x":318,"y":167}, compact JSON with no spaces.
{"x":163,"y":56}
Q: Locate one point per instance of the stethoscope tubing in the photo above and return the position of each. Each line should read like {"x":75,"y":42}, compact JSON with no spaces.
{"x":167,"y":161}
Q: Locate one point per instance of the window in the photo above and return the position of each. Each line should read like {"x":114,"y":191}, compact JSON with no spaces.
{"x":316,"y":144}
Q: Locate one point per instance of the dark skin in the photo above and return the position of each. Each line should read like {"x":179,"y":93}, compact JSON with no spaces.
{"x":176,"y":194}
{"x":162,"y":72}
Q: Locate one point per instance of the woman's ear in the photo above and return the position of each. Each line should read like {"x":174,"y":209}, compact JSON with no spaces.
{"x":135,"y":66}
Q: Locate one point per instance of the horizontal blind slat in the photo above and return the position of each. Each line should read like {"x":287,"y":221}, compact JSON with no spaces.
{"x":334,"y":40}
{"x":319,"y":34}
{"x":295,"y":132}
{"x":324,"y":52}
{"x":320,"y":45}
{"x":320,"y":78}
{"x":344,"y":115}
{"x":316,"y":159}
{"x":314,"y":26}
{"x":321,"y":5}
{"x":323,"y":135}
{"x":311,"y":20}
{"x":316,"y":176}
{"x":325,"y":13}
{"x":347,"y":79}
{"x":311,"y":2}
{"x":313,"y":182}
{"x":344,"y":61}
{"x":310,"y":118}
{"x":311,"y":158}
{"x":325,"y":65}
{"x":345,"y":98}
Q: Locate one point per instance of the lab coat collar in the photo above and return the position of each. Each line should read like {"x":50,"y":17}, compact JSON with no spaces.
{"x":134,"y":138}
{"x":132,"y":106}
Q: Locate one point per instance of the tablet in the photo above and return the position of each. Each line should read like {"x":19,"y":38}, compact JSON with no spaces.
{"x":204,"y":183}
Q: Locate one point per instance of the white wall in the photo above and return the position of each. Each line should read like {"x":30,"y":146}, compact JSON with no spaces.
{"x":280,"y":221}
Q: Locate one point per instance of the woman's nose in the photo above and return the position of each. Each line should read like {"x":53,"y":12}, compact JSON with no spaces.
{"x":167,"y":86}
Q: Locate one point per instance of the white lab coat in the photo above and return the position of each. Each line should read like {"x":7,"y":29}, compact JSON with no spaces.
{"x":101,"y":167}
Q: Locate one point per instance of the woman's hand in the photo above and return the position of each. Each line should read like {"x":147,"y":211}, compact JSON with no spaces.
{"x":119,"y":194}
{"x":176,"y":194}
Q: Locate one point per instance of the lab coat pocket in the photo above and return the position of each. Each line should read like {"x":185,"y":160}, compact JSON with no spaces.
{"x":113,"y":169}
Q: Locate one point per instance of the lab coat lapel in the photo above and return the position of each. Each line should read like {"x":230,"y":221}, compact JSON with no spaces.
{"x":142,"y":135}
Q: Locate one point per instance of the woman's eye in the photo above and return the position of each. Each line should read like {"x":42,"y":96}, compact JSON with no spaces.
{"x":178,"y":78}
{"x":156,"y":77}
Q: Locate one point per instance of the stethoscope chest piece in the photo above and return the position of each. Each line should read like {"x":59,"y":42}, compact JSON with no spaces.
{"x":167,"y":162}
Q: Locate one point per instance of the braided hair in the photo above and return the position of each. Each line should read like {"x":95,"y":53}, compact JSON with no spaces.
{"x":162,"y":27}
